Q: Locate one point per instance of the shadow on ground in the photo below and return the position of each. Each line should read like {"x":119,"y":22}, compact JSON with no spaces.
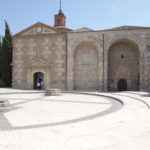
{"x":116,"y":105}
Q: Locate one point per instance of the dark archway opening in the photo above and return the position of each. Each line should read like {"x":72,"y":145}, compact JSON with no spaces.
{"x":38,"y":81}
{"x":122,"y":85}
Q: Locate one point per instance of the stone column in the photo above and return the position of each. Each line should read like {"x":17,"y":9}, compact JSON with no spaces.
{"x":69,"y":68}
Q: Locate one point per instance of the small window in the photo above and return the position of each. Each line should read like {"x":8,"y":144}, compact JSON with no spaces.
{"x":122,"y":56}
{"x":148,"y":48}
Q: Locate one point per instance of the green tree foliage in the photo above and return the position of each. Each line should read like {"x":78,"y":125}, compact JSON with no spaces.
{"x":6,"y":57}
{"x":1,"y":65}
{"x":0,"y":43}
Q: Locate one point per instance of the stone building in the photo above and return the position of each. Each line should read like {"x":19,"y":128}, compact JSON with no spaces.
{"x":83,"y":59}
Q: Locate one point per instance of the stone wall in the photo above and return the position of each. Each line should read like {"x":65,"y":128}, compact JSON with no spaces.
{"x":135,"y":37}
{"x":146,"y":66}
{"x":40,"y":53}
{"x":123,"y":64}
{"x":80,"y":60}
{"x":85,"y":44}
{"x":86,"y":67}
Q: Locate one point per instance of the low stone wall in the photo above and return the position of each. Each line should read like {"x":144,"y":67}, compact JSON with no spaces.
{"x":53,"y":92}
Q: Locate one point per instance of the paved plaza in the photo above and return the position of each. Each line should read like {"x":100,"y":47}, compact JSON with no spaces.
{"x":75,"y":121}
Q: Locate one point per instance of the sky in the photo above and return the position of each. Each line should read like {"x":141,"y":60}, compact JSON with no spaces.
{"x":95,"y":14}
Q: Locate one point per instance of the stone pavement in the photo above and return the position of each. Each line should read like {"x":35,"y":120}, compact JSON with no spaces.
{"x":75,"y":121}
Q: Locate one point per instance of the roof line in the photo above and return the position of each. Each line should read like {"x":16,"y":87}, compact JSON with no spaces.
{"x":38,"y":23}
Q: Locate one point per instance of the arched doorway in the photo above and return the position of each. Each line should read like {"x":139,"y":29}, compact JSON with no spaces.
{"x":122,"y":85}
{"x":86,"y":67}
{"x":38,"y":80}
{"x":123,"y":66}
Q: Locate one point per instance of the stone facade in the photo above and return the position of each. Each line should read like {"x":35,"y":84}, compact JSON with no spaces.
{"x":82,"y":59}
{"x":123,"y":63}
{"x":39,"y":52}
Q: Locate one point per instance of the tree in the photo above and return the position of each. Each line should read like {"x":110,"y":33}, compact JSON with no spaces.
{"x":0,"y":43}
{"x":6,"y":56}
{"x":1,"y":64}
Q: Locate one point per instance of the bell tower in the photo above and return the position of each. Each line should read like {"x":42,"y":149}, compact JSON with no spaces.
{"x":60,"y":18}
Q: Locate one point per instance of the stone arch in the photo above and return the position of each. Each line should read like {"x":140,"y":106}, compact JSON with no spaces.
{"x":86,"y":66}
{"x":32,"y":70}
{"x":38,"y":80}
{"x":123,"y":63}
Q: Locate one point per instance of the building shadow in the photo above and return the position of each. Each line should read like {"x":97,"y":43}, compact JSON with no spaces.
{"x":146,"y":94}
{"x":4,"y":122}
{"x":135,"y":98}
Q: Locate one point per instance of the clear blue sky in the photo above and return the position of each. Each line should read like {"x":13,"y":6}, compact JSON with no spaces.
{"x":96,"y":14}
